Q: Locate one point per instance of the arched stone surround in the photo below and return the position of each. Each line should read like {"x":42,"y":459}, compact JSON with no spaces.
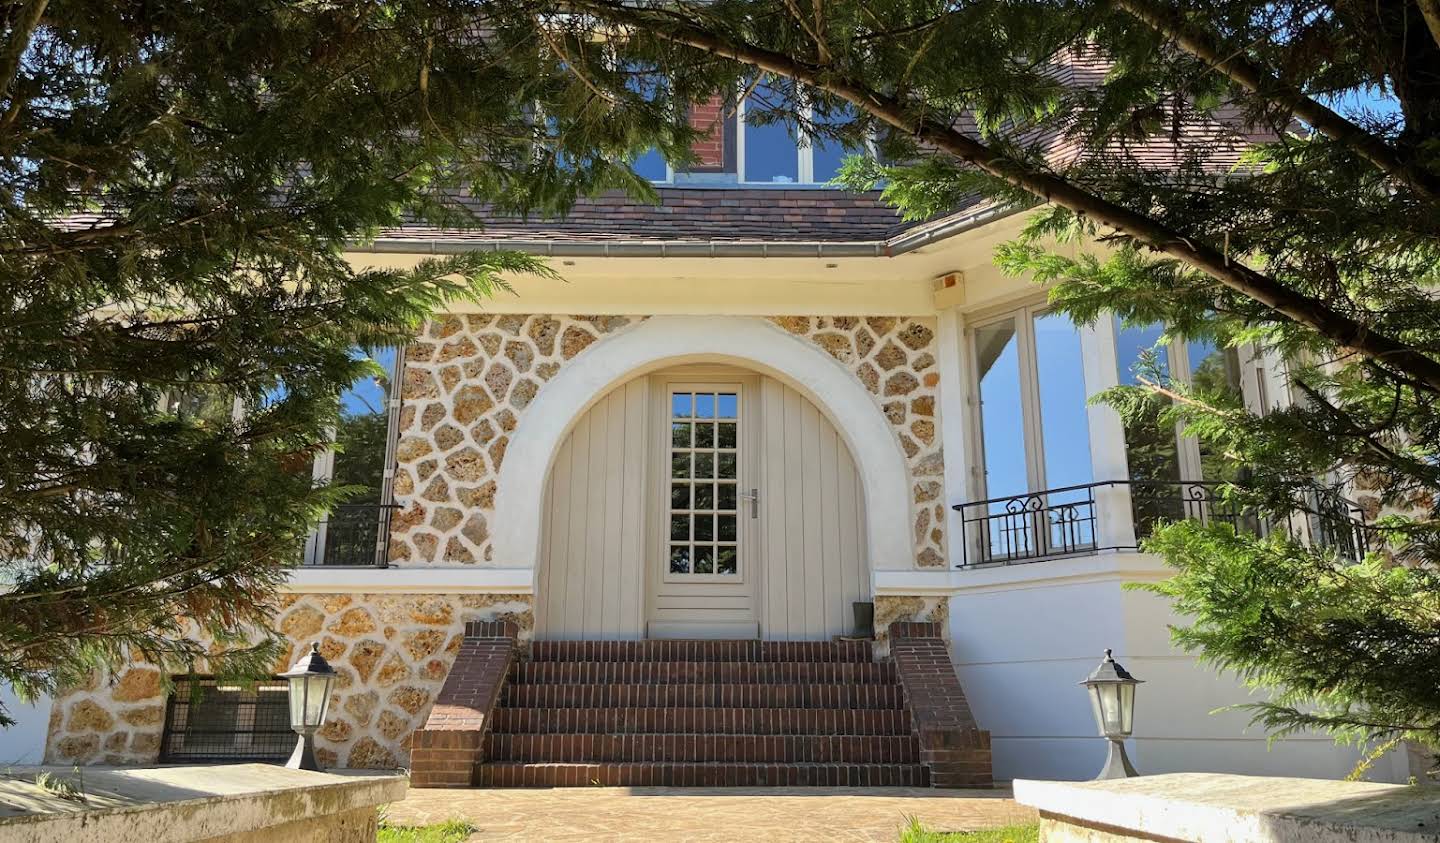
{"x":665,"y":341}
{"x":475,"y":384}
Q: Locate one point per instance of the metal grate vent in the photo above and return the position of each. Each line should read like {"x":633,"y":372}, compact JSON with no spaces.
{"x":208,"y":720}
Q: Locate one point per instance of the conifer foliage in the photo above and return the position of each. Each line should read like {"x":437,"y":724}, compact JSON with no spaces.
{"x":178,"y":180}
{"x":1265,"y":176}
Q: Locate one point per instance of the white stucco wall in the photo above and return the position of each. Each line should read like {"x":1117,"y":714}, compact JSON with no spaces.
{"x":1023,"y":637}
{"x":23,"y":743}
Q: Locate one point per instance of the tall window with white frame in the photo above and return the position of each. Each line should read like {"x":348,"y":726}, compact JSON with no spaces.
{"x":357,"y":532}
{"x":704,"y":450}
{"x":1171,"y":474}
{"x":1034,"y":443}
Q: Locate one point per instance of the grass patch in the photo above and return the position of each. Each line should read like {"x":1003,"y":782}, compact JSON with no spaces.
{"x":450,"y":831}
{"x":914,"y":832}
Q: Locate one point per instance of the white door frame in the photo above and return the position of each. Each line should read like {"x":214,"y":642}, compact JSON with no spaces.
{"x":659,"y":584}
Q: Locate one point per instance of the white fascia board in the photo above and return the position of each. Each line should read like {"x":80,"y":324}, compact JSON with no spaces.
{"x":914,"y":583}
{"x":469,"y":579}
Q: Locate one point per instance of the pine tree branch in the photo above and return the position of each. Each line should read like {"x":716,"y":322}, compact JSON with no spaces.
{"x":18,"y":41}
{"x":1298,"y":307}
{"x":1266,"y":85}
{"x":1372,"y":443}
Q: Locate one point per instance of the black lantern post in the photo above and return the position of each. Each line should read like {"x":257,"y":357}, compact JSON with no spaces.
{"x":310,"y":680}
{"x":1112,"y":694}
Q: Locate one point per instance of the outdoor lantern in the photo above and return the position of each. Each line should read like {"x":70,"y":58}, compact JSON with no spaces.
{"x":310,"y":680}
{"x":1112,"y":694}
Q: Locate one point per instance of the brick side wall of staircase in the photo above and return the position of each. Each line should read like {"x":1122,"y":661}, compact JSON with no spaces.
{"x":952,"y":747}
{"x":445,"y":751}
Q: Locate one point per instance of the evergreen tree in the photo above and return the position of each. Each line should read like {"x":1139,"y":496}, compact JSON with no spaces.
{"x":1124,"y":122}
{"x":178,"y":181}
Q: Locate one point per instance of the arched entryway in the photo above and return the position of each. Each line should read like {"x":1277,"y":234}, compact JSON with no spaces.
{"x":702,"y":500}
{"x":754,"y":345}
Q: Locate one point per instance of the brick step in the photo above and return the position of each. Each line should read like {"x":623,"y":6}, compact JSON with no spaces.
{"x":496,"y":774}
{"x":701,"y":651}
{"x":679,"y":673}
{"x":715,"y":695}
{"x":715,"y":721}
{"x":744,"y":749}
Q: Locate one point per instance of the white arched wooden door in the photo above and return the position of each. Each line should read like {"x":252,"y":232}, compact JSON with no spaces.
{"x":702,"y":502}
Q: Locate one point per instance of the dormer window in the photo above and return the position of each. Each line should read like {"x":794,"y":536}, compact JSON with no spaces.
{"x":771,"y":153}
{"x":751,"y":151}
{"x":651,"y":166}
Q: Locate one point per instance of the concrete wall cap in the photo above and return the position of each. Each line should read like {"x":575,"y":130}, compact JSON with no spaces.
{"x":163,"y":804}
{"x":1216,"y":807}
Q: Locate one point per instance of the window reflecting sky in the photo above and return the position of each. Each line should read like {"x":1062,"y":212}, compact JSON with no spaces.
{"x":771,"y":153}
{"x":827,"y":155}
{"x":1129,"y":342}
{"x":367,"y":395}
{"x":997,"y":349}
{"x":1064,"y":424}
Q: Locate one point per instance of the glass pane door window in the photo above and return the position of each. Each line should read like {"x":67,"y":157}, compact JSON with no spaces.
{"x":702,"y":518}
{"x":1163,"y":461}
{"x":1034,"y":434}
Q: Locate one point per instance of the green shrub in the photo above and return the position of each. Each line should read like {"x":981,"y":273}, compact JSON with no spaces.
{"x":915,"y":832}
{"x":450,"y":831}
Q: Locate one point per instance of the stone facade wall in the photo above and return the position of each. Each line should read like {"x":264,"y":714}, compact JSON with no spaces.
{"x":895,"y":358}
{"x":890,"y":608}
{"x":391,"y":653}
{"x":468,"y":381}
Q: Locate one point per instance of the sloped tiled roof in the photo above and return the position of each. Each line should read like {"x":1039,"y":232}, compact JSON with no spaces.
{"x":691,"y":214}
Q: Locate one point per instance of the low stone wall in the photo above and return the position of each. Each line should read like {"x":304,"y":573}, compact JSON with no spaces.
{"x":391,"y":654}
{"x":242,"y":803}
{"x":1223,"y":808}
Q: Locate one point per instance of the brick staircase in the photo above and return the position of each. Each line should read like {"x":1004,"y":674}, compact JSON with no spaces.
{"x":692,"y":713}
{"x":719,"y":713}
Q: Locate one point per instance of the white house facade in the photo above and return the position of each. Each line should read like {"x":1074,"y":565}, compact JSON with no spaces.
{"x":762,"y":411}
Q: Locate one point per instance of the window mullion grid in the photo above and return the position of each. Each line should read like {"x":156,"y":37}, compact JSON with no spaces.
{"x":1030,"y":416}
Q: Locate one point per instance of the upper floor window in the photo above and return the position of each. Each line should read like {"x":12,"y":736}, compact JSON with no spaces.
{"x":740,"y":144}
{"x":652,"y":166}
{"x":773,"y":153}
{"x":648,"y":83}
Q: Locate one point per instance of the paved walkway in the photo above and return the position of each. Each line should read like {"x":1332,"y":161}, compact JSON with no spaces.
{"x":731,"y":815}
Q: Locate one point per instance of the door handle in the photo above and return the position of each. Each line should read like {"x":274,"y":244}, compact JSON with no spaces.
{"x":753,"y":496}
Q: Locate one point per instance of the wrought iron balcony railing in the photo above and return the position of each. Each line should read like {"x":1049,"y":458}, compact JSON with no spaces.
{"x":1064,"y":522}
{"x":354,"y":536}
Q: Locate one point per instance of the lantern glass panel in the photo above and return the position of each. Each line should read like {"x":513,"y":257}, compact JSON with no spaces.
{"x":1095,"y":706}
{"x":309,"y":698}
{"x":1127,"y":708}
{"x":298,"y":687}
{"x":1105,"y":697}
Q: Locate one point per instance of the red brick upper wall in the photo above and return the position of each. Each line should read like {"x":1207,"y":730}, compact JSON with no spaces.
{"x":709,"y":118}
